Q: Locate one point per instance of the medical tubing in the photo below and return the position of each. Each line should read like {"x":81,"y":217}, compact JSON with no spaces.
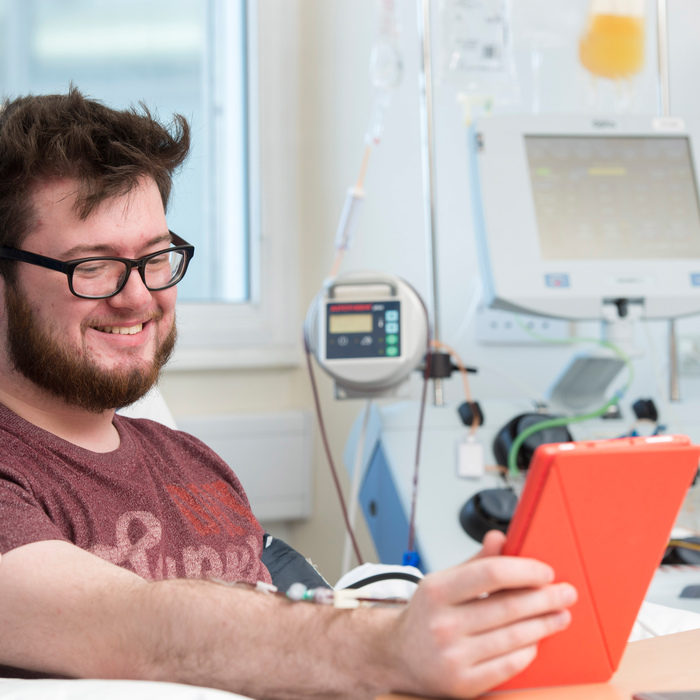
{"x":419,"y":437}
{"x":684,"y":544}
{"x":338,"y":598}
{"x":465,"y":381}
{"x":421,"y":418}
{"x":349,"y":217}
{"x":373,"y":135}
{"x":577,"y":339}
{"x":558,"y":422}
{"x":355,"y":486}
{"x":596,"y":341}
{"x":363,"y":169}
{"x":329,"y":456}
{"x":384,"y":45}
{"x":553,"y":423}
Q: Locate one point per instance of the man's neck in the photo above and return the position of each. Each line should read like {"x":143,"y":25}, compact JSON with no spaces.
{"x":92,"y":431}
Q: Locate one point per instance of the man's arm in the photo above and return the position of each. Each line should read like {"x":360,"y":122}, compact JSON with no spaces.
{"x":65,"y":611}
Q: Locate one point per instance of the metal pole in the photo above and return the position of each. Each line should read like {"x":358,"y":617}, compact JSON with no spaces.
{"x":428,"y":160}
{"x":674,"y":393}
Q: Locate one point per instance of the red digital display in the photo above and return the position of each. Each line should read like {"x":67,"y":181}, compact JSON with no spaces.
{"x":338,"y":308}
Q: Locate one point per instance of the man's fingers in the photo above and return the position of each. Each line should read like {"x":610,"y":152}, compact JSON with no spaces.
{"x":475,"y":680}
{"x":508,"y":620}
{"x":504,"y":640}
{"x":483,"y":661}
{"x":475,"y":578}
{"x":492,"y":544}
{"x":503,"y":608}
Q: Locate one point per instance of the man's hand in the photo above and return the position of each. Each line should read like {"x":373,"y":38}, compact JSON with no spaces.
{"x":474,"y":626}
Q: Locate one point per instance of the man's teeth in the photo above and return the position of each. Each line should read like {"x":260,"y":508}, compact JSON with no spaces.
{"x":121,"y":330}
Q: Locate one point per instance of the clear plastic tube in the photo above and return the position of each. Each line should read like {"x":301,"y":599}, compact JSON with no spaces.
{"x":349,"y":217}
{"x":386,"y":71}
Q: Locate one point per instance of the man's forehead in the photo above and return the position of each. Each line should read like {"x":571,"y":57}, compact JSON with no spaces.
{"x":56,"y":206}
{"x":50,"y":194}
{"x":69,"y":195}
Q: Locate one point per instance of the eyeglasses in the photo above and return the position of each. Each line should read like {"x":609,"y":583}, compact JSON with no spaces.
{"x":104,"y":277}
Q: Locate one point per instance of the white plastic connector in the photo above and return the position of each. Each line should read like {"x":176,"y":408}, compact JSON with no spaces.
{"x":349,"y":218}
{"x":470,"y":458}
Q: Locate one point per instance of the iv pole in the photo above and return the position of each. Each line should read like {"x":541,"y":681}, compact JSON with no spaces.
{"x":428,"y":161}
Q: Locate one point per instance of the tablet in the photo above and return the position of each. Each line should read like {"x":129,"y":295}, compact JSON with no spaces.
{"x":600,"y":513}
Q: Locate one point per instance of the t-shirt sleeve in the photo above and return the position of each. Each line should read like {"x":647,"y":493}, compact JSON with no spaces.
{"x":22,"y":519}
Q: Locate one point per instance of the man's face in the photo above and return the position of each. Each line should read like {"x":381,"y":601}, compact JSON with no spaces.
{"x":94,"y":353}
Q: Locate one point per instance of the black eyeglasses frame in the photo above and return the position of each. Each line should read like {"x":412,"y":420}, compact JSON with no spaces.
{"x":67,"y":267}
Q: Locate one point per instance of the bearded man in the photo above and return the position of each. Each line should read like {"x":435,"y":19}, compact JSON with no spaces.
{"x":88,"y":275}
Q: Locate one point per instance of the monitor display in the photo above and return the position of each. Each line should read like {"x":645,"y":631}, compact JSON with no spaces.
{"x":575,"y":214}
{"x":614,"y":198}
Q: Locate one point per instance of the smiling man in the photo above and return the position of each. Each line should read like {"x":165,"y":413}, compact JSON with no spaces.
{"x":106,"y":349}
{"x":116,"y":534}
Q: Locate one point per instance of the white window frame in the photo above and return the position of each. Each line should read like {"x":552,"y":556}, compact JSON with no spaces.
{"x":266,"y":331}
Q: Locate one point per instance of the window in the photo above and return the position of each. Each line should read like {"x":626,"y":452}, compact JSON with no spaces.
{"x":198,"y":58}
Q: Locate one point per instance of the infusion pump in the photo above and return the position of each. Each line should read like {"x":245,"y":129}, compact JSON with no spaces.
{"x":368,"y":331}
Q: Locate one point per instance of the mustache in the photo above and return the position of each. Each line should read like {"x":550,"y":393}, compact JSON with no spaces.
{"x":155,"y":315}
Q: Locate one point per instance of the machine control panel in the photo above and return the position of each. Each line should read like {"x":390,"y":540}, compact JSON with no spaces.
{"x":363,"y":329}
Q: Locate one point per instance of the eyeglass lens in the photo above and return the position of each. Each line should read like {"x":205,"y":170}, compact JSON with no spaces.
{"x":97,"y":278}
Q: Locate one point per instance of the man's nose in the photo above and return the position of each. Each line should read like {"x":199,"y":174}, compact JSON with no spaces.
{"x":134,"y":294}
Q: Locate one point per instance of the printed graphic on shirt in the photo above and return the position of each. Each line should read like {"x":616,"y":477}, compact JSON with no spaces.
{"x":217,"y":517}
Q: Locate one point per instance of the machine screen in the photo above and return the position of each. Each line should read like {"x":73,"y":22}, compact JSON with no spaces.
{"x":614,"y":198}
{"x":350,"y":323}
{"x":365,"y":329}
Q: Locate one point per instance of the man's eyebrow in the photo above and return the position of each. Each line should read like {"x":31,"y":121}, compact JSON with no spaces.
{"x":83,"y":251}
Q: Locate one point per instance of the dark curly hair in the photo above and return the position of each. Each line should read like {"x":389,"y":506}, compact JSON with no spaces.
{"x":106,"y":151}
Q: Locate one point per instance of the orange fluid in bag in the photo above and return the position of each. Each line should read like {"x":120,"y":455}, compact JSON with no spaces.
{"x":613,"y":47}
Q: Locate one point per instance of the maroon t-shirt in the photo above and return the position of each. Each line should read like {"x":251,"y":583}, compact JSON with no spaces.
{"x":162,"y":504}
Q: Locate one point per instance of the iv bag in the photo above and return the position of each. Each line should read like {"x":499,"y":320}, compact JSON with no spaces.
{"x":477,"y":48}
{"x":612,"y":45}
{"x":386,"y":64}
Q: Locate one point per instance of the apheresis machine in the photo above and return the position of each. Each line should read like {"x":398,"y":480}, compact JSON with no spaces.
{"x":580,"y":218}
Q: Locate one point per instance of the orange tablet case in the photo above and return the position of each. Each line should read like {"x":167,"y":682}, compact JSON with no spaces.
{"x":600,"y":513}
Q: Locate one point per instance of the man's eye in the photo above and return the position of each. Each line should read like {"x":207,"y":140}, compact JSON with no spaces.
{"x":158,"y":262}
{"x":90,"y":269}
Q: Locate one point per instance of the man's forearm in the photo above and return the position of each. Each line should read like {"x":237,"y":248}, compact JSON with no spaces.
{"x":106,"y":622}
{"x":259,"y":645}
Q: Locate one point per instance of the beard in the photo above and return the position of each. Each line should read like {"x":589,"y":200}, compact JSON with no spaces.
{"x":42,"y":358}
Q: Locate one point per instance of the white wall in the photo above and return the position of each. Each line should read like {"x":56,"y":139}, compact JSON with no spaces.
{"x":336,"y":97}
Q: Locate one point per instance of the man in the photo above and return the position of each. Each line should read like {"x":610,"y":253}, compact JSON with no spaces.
{"x":111,"y":530}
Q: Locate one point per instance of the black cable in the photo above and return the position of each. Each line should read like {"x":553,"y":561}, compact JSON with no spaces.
{"x":388,"y":576}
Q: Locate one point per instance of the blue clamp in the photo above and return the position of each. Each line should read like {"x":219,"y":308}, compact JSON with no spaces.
{"x":411,"y":559}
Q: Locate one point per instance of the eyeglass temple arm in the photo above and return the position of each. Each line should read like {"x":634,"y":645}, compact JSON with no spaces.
{"x":34,"y":258}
